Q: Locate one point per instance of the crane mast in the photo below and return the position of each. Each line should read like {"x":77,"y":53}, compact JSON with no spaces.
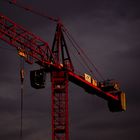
{"x":59,"y":79}
{"x":56,"y":61}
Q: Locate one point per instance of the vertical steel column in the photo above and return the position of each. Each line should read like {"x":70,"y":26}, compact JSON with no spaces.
{"x":59,"y":105}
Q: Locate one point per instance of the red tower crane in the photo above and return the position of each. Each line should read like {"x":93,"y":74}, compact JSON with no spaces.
{"x":57,"y":61}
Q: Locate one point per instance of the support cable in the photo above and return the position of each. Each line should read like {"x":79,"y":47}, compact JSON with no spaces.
{"x":79,"y":53}
{"x":21,"y":98}
{"x":33,"y":11}
{"x":75,"y":45}
{"x":79,"y":61}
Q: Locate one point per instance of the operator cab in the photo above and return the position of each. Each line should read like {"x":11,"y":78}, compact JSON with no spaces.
{"x":37,"y":78}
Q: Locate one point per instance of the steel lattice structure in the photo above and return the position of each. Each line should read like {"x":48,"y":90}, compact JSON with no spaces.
{"x":33,"y":49}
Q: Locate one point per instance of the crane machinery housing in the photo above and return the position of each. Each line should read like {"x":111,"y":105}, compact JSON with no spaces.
{"x":58,"y":63}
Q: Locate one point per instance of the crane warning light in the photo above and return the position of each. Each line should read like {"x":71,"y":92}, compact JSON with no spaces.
{"x":38,"y":78}
{"x":22,"y":54}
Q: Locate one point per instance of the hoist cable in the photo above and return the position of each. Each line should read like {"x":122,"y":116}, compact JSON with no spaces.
{"x":76,"y":45}
{"x":22,"y":96}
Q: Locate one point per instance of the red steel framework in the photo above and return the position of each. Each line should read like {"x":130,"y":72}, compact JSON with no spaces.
{"x":59,"y":105}
{"x":56,"y":61}
{"x":24,"y":41}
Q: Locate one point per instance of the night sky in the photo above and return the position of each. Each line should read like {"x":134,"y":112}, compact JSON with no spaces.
{"x":109,"y":33}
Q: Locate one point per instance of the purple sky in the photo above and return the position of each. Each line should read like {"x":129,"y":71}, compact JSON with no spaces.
{"x":109,"y":32}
